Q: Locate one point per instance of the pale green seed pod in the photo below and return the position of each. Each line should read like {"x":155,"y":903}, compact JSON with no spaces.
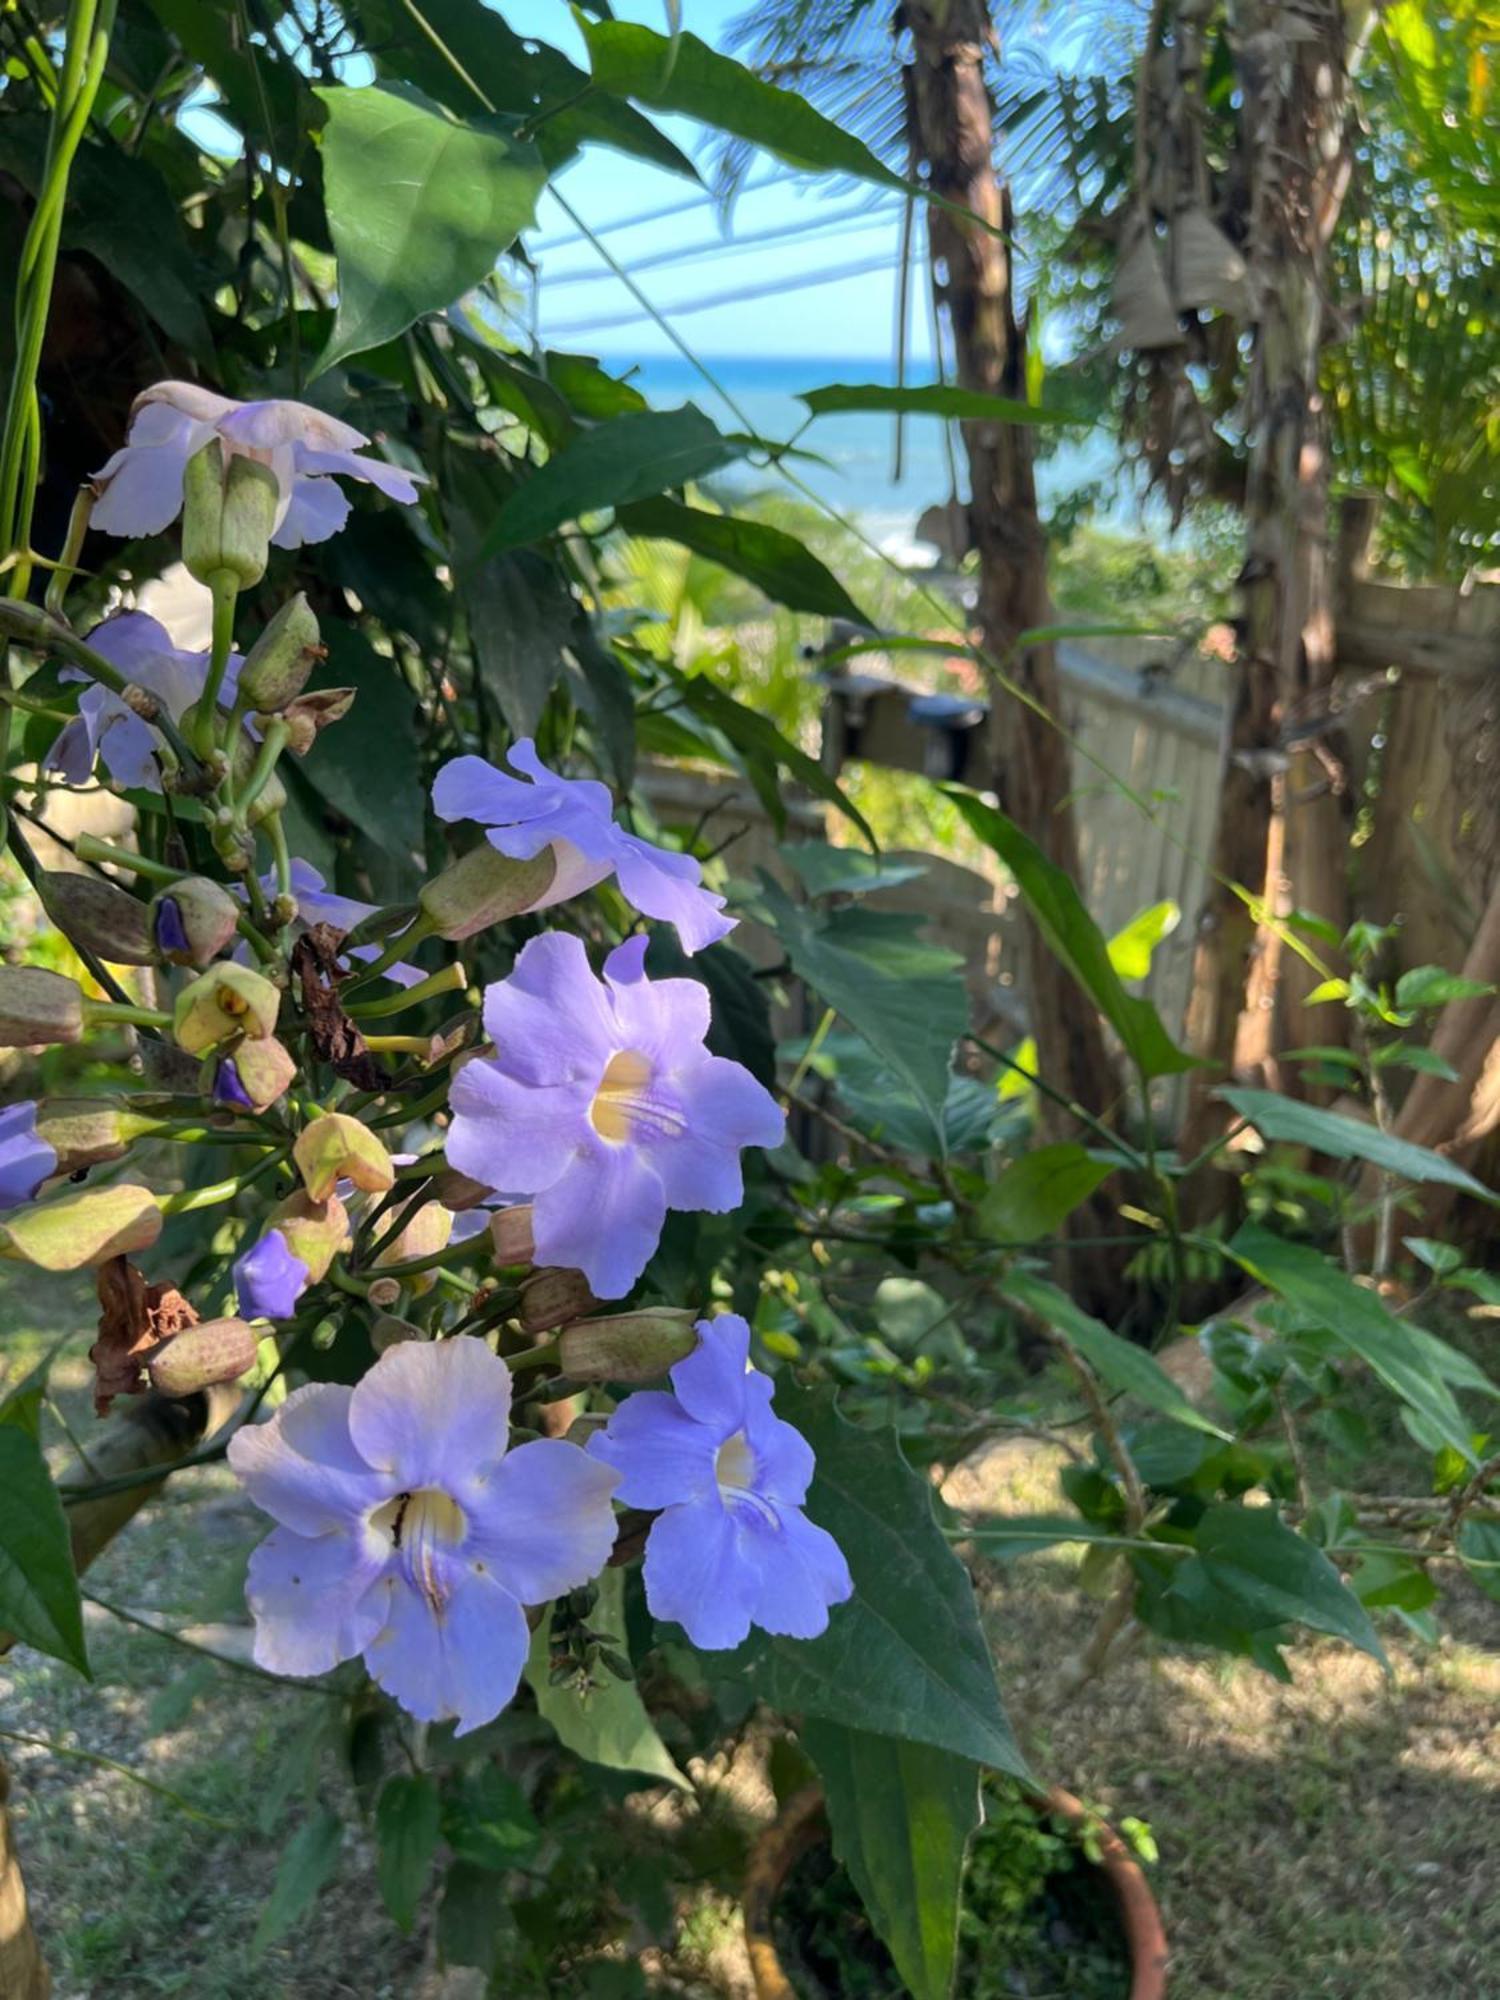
{"x":98,"y":916}
{"x":280,"y":663}
{"x":218,"y":1350}
{"x":38,"y":1007}
{"x":626,"y":1347}
{"x":481,"y":888}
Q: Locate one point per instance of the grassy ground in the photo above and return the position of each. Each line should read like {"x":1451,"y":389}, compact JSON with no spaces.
{"x":1335,"y":1838}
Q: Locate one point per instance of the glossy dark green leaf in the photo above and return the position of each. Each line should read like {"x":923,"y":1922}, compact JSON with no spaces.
{"x":1284,"y":1119}
{"x":1355,"y":1318}
{"x":1074,"y":938}
{"x":408,"y":1825}
{"x":473,"y":1914}
{"x":1277,"y":1577}
{"x":774,"y":561}
{"x":1479,"y":1546}
{"x":307,"y":1861}
{"x":1119,"y":1364}
{"x":628,"y":458}
{"x":1037,"y":1193}
{"x":420,"y":206}
{"x":684,"y":75}
{"x":847,"y":871}
{"x":905,"y":996}
{"x":487,"y":1821}
{"x":901,"y":1816}
{"x":368,"y":765}
{"x":927,"y":399}
{"x":39,"y":1600}
{"x":765,"y":751}
{"x":907,"y":1655}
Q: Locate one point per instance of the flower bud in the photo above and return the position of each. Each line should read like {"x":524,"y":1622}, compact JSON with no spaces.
{"x":458,"y":1192}
{"x":279,"y":665}
{"x":228,"y":516}
{"x":388,"y":1331}
{"x":626,"y":1347}
{"x":99,"y":916}
{"x":255,"y":1075}
{"x":193,"y":920}
{"x":553,"y":1298}
{"x":384,"y":1293}
{"x":314,"y":1231}
{"x":336,"y":1147}
{"x":510,"y":1232}
{"x":219,"y":1350}
{"x":86,"y":1226}
{"x":85,"y":1132}
{"x":310,"y":714}
{"x":428,"y":1231}
{"x":229,"y":1000}
{"x":481,"y":888}
{"x":38,"y":1007}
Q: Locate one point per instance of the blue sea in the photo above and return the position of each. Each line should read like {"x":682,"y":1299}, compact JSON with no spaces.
{"x":852,"y":463}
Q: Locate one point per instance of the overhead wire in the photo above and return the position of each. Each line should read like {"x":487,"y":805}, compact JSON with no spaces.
{"x":842,"y":222}
{"x":624,"y":222}
{"x":777,"y":285}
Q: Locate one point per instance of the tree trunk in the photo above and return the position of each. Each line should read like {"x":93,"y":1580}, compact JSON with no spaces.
{"x":1284,"y":799}
{"x":951,"y":120}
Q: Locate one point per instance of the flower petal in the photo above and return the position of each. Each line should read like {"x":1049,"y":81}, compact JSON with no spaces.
{"x":665,"y":1019}
{"x":603,"y":1217}
{"x":800,"y":1572}
{"x":311,"y":1600}
{"x":316,"y":510}
{"x":694,"y":1574}
{"x":142,"y":488}
{"x":667,"y":886}
{"x":433,"y":1413}
{"x":302,"y":1467}
{"x":710,"y":1383}
{"x":663,"y":1455}
{"x":464,"y":1661}
{"x":270,"y":1278}
{"x":25,"y":1160}
{"x":394,"y":481}
{"x":544,"y":1522}
{"x":784,"y":1462}
{"x":551,"y":1021}
{"x":507,"y":1130}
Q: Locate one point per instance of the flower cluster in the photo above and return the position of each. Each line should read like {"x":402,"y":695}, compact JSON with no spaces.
{"x":584,"y":1108}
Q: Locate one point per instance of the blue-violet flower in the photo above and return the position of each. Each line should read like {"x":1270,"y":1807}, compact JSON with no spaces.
{"x":25,"y":1159}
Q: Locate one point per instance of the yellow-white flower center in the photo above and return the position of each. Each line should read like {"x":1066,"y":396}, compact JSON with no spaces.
{"x":626,"y":1078}
{"x":421,"y":1526}
{"x":734,"y":1466}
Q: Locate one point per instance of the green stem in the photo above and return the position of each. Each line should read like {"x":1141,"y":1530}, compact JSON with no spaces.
{"x":224,"y":589}
{"x":419,"y":928}
{"x":281,"y":854}
{"x":399,"y":1045}
{"x":88,"y":848}
{"x":275,"y":740}
{"x":104,"y":1011}
{"x":191,"y":1199}
{"x":452,"y":979}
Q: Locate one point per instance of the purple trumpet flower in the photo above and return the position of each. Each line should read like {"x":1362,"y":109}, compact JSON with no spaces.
{"x":140,"y":489}
{"x":409,"y":1534}
{"x":25,"y":1160}
{"x":602,"y":1104}
{"x":575,"y":818}
{"x":269,"y":1279}
{"x":105,"y":727}
{"x":731,"y":1547}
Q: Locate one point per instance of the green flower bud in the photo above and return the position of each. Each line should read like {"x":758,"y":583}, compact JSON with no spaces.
{"x":626,"y":1347}
{"x":428,"y":1230}
{"x":228,"y":516}
{"x":193,"y":920}
{"x":315,"y":1231}
{"x":98,"y":916}
{"x":280,"y":663}
{"x":484,"y":887}
{"x":253,"y":1076}
{"x":219,"y":1350}
{"x":510,"y":1232}
{"x":38,"y":1007}
{"x":336,"y":1147}
{"x":389,"y":1331}
{"x":553,"y":1298}
{"x":87,"y":1226}
{"x":230,"y":1000}
{"x":457,"y":1191}
{"x":85,"y":1132}
{"x":272,"y":799}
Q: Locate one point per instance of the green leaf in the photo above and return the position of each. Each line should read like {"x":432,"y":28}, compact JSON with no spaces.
{"x":420,"y":207}
{"x":740,"y":1029}
{"x":905,"y":996}
{"x":1119,"y":1364}
{"x":763,"y":749}
{"x":774,"y":561}
{"x":1355,"y":1318}
{"x":1277,"y":1577}
{"x":1479,"y":1546}
{"x":1130,"y":949}
{"x":474,"y":1911}
{"x":368,"y":766}
{"x":901,"y":1816}
{"x":686,"y":76}
{"x":1430,"y":986}
{"x":1283,"y":1119}
{"x":628,"y":458}
{"x":928,"y":399}
{"x":1038,"y":1192}
{"x":408,"y":1823}
{"x":1024,"y":1534}
{"x":907,"y":1655}
{"x":487,"y":1821}
{"x":1413,"y":1056}
{"x":39,"y":1601}
{"x":1074,"y":938}
{"x":609,"y":1725}
{"x":824,"y":870}
{"x":307,"y":1861}
{"x":1388,"y":1582}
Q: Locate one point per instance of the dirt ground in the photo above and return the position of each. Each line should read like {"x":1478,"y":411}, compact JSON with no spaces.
{"x":1333,"y":1838}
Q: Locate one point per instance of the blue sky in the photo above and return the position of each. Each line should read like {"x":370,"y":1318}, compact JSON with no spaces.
{"x":852,"y":317}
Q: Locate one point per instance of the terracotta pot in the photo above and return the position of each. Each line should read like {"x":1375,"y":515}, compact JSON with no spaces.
{"x":801,"y":1824}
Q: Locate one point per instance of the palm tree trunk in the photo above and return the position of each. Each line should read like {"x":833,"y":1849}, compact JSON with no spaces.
{"x":949,"y":111}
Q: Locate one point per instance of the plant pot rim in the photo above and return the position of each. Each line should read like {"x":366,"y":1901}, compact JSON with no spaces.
{"x":801,"y":1825}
